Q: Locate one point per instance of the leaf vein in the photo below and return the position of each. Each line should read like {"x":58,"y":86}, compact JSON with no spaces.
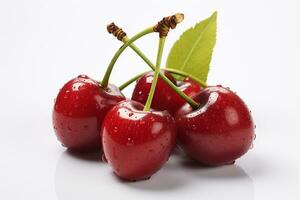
{"x":195,"y":45}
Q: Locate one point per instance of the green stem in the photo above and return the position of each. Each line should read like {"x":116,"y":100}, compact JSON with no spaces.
{"x":124,"y":85}
{"x":105,"y":79}
{"x":170,"y":83}
{"x":184,"y":74}
{"x":151,"y":65}
{"x":173,"y":71}
{"x":156,"y":73}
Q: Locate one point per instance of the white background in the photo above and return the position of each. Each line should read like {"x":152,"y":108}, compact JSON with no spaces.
{"x":43,"y":44}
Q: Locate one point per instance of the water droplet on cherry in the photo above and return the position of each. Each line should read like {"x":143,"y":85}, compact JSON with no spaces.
{"x":115,"y":129}
{"x":82,"y":76}
{"x":129,"y":142}
{"x":194,"y":127}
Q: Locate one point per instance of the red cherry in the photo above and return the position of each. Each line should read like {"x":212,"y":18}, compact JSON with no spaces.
{"x":165,"y":98}
{"x":190,"y":87}
{"x":78,"y":112}
{"x":137,"y":143}
{"x":219,"y":131}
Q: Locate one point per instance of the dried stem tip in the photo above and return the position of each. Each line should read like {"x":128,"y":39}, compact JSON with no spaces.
{"x":179,"y":17}
{"x":116,"y":31}
{"x":167,"y":23}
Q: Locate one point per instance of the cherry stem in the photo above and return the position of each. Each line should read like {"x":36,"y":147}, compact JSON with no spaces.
{"x":170,"y":83}
{"x":156,"y":73}
{"x":151,"y":65}
{"x":110,"y":67}
{"x":173,"y":71}
{"x":127,"y":83}
{"x":162,"y":27}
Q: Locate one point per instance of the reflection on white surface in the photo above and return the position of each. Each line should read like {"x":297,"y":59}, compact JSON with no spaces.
{"x":87,"y":177}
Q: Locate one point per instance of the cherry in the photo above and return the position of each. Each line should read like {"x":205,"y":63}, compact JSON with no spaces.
{"x":165,"y":98}
{"x":219,"y":131}
{"x":190,"y":87}
{"x":137,"y":143}
{"x":78,"y":112}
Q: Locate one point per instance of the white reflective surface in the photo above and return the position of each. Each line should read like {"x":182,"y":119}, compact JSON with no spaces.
{"x":43,"y":44}
{"x":76,"y":178}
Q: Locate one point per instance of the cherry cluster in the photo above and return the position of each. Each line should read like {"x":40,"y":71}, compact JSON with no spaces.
{"x":211,"y":124}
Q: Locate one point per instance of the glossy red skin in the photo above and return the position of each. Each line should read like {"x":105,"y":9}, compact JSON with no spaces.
{"x":219,"y":131}
{"x":137,"y":143}
{"x":190,"y":87}
{"x":79,"y":110}
{"x":165,"y":98}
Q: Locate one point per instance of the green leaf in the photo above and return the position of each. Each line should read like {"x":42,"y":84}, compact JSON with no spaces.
{"x":193,"y":51}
